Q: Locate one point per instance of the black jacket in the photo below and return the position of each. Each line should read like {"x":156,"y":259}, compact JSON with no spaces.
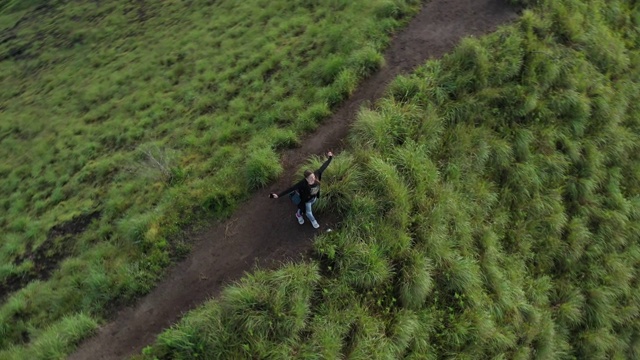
{"x":303,"y":187}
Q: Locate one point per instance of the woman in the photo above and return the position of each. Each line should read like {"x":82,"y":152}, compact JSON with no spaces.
{"x":309,"y":191}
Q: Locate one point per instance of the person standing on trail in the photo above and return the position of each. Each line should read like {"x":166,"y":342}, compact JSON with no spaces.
{"x":308,"y":189}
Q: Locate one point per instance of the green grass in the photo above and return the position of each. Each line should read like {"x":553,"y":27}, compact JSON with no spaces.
{"x":493,"y":205}
{"x":57,"y":340}
{"x":263,"y":318}
{"x":156,"y":116}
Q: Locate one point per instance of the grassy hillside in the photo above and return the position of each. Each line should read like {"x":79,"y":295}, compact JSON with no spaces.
{"x":491,"y":211}
{"x":122,"y":122}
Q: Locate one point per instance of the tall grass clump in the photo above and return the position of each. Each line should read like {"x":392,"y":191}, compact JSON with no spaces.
{"x":472,"y":61}
{"x":391,"y":190}
{"x":416,"y":280}
{"x":252,"y":309}
{"x":340,"y":182}
{"x":365,"y":267}
{"x":250,"y":319}
{"x":263,"y":166}
{"x":57,"y":341}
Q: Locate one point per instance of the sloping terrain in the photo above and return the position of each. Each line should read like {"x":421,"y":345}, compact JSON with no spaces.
{"x":264,"y":231}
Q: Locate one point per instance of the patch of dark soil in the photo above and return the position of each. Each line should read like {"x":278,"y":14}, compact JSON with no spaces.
{"x":15,"y":52}
{"x":264,"y":231}
{"x":37,"y":10}
{"x":74,"y":226}
{"x":270,"y":72}
{"x":13,"y":47}
{"x":29,"y":45}
{"x":6,"y":37}
{"x":139,"y":8}
{"x":47,"y":256}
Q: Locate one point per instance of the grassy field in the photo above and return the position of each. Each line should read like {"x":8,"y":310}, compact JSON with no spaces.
{"x":123,"y":122}
{"x":491,"y":206}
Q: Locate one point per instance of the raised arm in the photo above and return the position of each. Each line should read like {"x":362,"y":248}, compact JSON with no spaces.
{"x":324,"y":166}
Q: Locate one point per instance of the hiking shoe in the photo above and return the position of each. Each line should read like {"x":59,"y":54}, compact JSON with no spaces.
{"x":300,"y":219}
{"x":315,"y":224}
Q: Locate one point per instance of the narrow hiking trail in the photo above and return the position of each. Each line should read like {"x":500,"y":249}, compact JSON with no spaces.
{"x":264,"y":231}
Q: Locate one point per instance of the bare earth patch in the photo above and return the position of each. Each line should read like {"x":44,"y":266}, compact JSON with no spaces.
{"x":49,"y":254}
{"x":263,"y":231}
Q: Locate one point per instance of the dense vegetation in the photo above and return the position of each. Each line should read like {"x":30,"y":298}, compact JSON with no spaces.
{"x":491,"y":211}
{"x":122,"y":122}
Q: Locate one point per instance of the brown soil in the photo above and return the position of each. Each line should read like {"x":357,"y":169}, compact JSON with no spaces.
{"x":47,"y":255}
{"x":264,"y":231}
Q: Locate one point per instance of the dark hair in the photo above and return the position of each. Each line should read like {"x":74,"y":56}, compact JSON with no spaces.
{"x":307,"y":173}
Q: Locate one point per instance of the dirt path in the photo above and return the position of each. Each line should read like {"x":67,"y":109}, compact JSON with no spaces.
{"x":263,"y":230}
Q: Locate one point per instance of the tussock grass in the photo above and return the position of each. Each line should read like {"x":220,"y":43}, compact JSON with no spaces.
{"x":262,"y":167}
{"x":364,"y":266}
{"x":416,"y":280}
{"x":252,"y":308}
{"x":340,"y":182}
{"x":57,"y":340}
{"x":327,"y":335}
{"x":391,"y":190}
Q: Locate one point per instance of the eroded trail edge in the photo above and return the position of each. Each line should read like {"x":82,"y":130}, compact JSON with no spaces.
{"x":263,"y":230}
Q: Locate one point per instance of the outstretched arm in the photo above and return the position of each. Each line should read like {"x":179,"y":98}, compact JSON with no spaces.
{"x":326,"y":163}
{"x":294,"y":187}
